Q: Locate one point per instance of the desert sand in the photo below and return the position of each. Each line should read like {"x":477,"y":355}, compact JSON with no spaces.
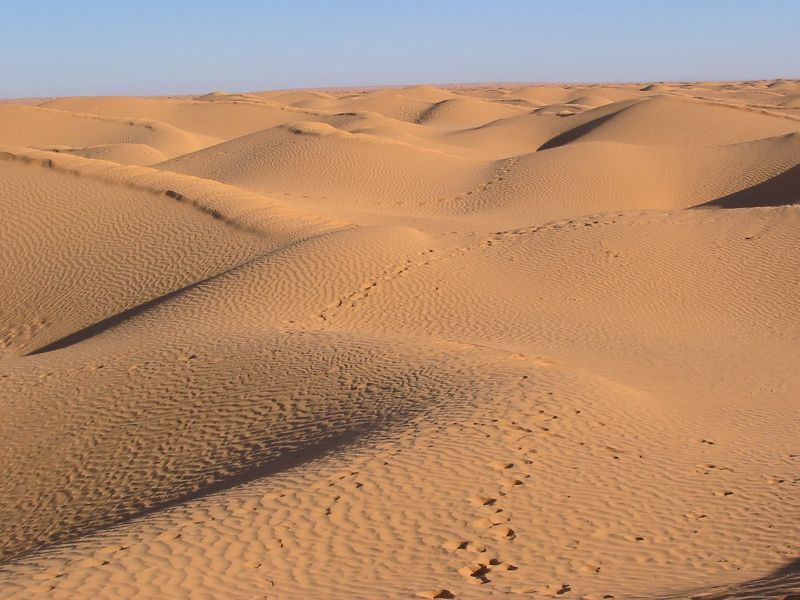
{"x":488,"y":341}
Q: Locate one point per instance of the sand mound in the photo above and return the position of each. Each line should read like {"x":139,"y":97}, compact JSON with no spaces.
{"x":680,"y":122}
{"x":469,"y":342}
{"x":588,"y":100}
{"x":222,"y":119}
{"x":44,"y":127}
{"x":388,"y":103}
{"x":428,"y":93}
{"x":165,"y":214}
{"x":656,"y":87}
{"x":783,"y":85}
{"x":463,"y":113}
{"x":126,"y":154}
{"x":268,"y":161}
{"x":542,"y":94}
{"x":597,"y":177}
{"x":791,"y":102}
{"x":300,"y":99}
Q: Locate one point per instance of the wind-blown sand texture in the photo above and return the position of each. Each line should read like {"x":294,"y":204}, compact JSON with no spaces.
{"x":474,"y":342}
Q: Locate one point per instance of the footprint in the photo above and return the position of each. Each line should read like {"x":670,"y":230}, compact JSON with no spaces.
{"x":47,"y":575}
{"x":555,"y":589}
{"x":511,"y":482}
{"x":90,"y":563}
{"x":589,"y":568}
{"x":499,"y":518}
{"x":707,"y":469}
{"x":481,"y":501}
{"x":501,"y":464}
{"x":482,"y":524}
{"x":499,"y":565}
{"x":503,"y":534}
{"x":453,"y":545}
{"x":475,"y":547}
{"x":634,"y":538}
{"x":475,"y":573}
{"x":440,"y":593}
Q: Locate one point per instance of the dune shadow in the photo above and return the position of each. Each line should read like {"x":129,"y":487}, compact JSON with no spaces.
{"x":260,"y":470}
{"x":781,"y":190}
{"x":112,"y":321}
{"x":575,"y":133}
{"x":782,"y":583}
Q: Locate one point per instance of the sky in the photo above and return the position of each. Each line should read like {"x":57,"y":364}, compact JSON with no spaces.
{"x":148,"y":47}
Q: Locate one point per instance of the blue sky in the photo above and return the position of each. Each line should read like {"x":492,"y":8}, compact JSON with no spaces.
{"x":84,"y":47}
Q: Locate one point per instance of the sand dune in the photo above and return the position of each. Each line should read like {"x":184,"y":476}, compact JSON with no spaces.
{"x":595,"y":177}
{"x":461,"y":113}
{"x":56,"y":129}
{"x":680,"y":122}
{"x":269,"y":161}
{"x":224,"y":118}
{"x":467,"y":342}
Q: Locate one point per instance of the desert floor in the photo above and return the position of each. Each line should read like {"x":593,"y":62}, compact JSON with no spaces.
{"x":443,"y":342}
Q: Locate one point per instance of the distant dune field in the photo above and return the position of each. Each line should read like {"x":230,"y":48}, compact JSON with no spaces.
{"x":462,"y":342}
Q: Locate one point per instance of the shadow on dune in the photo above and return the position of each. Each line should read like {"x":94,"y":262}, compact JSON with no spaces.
{"x":575,"y":133}
{"x":112,"y":321}
{"x":782,"y":583}
{"x":278,"y":465}
{"x":781,"y":190}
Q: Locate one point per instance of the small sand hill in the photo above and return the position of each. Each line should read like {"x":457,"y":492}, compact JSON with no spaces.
{"x":784,"y":86}
{"x":213,"y":96}
{"x":222,"y":118}
{"x":388,"y":102}
{"x":590,"y":100}
{"x":462,"y":113}
{"x":301,"y":99}
{"x":389,"y":129}
{"x":541,"y":94}
{"x":126,"y":154}
{"x":656,"y":87}
{"x":267,"y":161}
{"x":84,"y":245}
{"x":597,"y":177}
{"x":608,"y":94}
{"x":791,"y":102}
{"x":540,"y":129}
{"x":509,"y":137}
{"x":680,"y":122}
{"x":417,"y":342}
{"x":428,"y":93}
{"x":44,"y":127}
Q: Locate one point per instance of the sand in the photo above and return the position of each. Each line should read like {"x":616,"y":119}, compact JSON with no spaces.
{"x":439,"y":342}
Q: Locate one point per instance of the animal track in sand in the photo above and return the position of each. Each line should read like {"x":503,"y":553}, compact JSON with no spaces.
{"x":351,"y":299}
{"x":440,"y":593}
{"x":497,"y":177}
{"x":708,"y":469}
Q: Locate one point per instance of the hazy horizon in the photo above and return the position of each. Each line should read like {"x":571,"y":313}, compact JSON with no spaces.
{"x":185,"y":48}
